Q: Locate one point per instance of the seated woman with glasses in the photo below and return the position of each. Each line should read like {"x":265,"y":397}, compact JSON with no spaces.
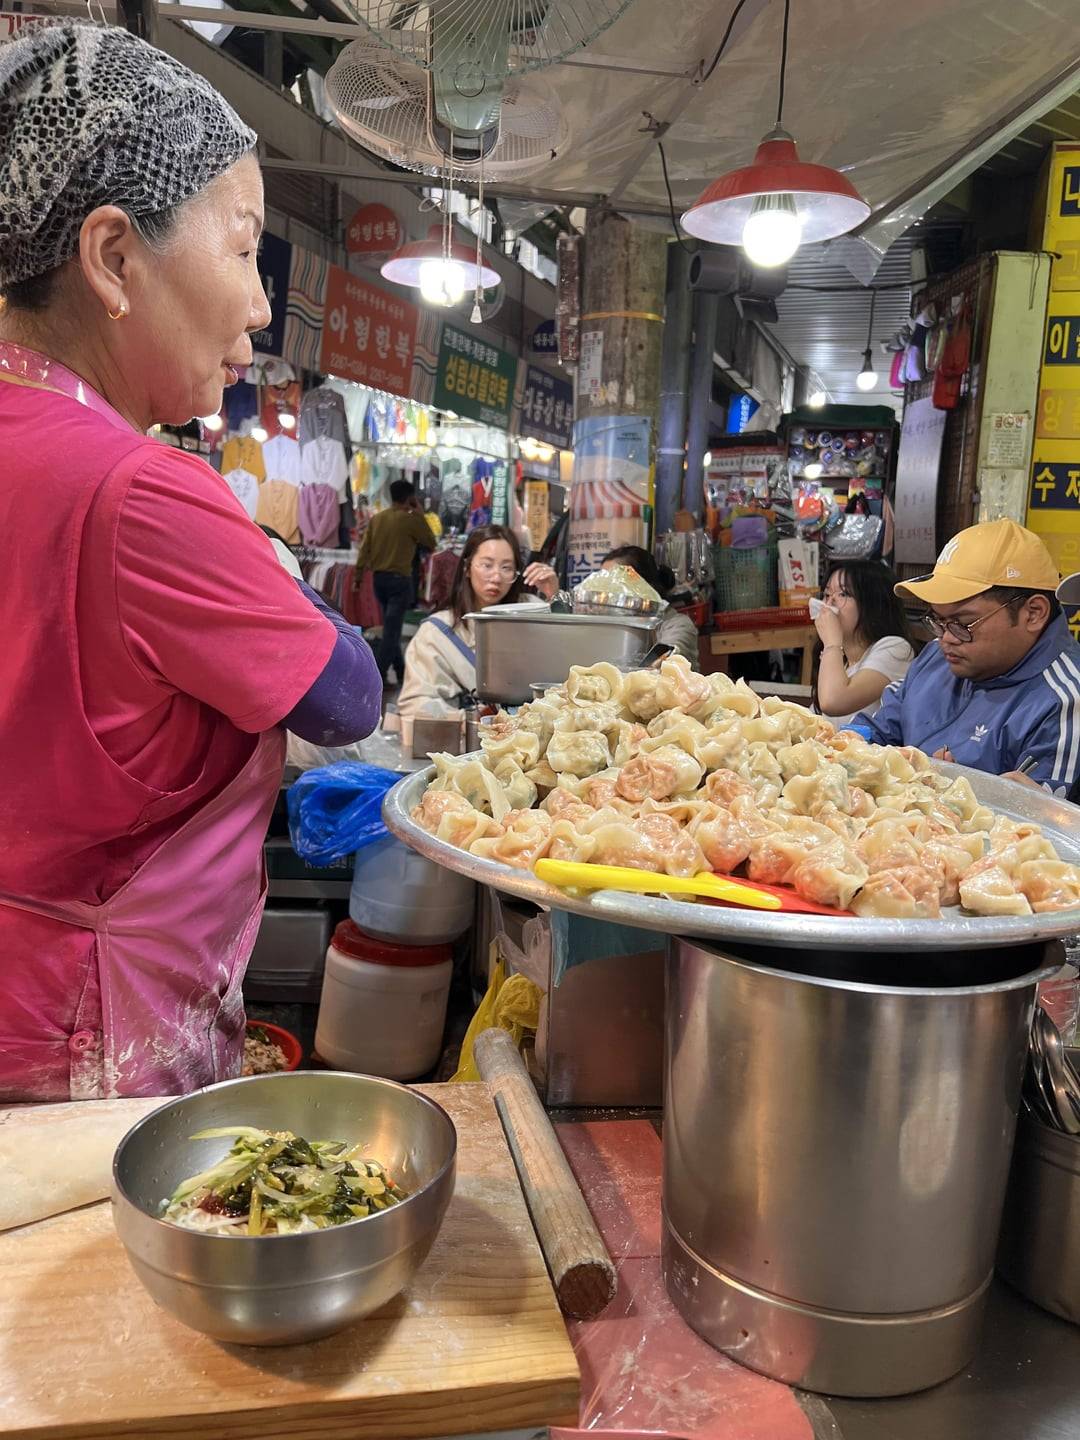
{"x":865,"y":644}
{"x":440,"y":663}
{"x":1000,"y":690}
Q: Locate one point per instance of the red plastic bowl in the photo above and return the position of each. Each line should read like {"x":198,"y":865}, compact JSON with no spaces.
{"x":290,"y":1045}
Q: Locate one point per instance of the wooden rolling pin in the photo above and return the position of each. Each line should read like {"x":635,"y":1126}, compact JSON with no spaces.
{"x":581,"y":1268}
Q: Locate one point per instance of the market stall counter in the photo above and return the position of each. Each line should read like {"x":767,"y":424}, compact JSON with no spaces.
{"x":476,"y":1344}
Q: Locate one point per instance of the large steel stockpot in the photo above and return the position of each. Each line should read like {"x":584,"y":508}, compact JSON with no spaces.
{"x":837,"y":1136}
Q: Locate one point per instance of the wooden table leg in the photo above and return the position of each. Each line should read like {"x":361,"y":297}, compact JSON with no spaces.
{"x":806,"y":672}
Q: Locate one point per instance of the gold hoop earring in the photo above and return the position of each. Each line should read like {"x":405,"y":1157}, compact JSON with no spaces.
{"x":119,"y":313}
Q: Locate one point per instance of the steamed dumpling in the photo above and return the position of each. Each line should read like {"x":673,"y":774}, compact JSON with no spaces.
{"x":663,"y":772}
{"x":519,"y":746}
{"x":600,"y":682}
{"x":830,"y":875}
{"x":579,"y":752}
{"x":910,"y":893}
{"x":639,"y":694}
{"x":525,"y":838}
{"x":680,"y":687}
{"x":519,"y":790}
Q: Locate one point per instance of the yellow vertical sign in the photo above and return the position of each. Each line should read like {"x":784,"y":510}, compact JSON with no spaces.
{"x":1053,"y":496}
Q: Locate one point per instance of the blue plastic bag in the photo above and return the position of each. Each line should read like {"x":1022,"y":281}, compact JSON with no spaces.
{"x":337,"y":809}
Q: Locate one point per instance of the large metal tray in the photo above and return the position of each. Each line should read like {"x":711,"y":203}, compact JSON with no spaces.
{"x":954,"y":931}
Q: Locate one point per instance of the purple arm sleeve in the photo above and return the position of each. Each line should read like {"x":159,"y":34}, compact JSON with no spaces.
{"x":345,"y":702}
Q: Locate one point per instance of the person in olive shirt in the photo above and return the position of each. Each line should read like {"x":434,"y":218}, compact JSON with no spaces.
{"x":387,"y":550}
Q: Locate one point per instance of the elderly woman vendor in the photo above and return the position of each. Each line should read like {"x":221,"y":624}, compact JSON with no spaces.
{"x":153,"y":646}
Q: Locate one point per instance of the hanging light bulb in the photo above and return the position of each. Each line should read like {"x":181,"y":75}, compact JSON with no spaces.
{"x":411,"y":264}
{"x":760,"y":205}
{"x":213,"y":423}
{"x":867,"y":376}
{"x":706,"y":459}
{"x":772,"y":231}
{"x":813,"y":470}
{"x":817,"y":400}
{"x":287,"y":420}
{"x":442,"y":281}
{"x":260,"y":433}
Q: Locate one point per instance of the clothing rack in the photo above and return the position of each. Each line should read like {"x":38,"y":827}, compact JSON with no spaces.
{"x":321,"y":552}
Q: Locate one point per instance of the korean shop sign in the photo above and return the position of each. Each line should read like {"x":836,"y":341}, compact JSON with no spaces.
{"x":373,"y":230}
{"x":547,"y":408}
{"x":368,"y":334}
{"x":275,"y":263}
{"x":474,"y":378}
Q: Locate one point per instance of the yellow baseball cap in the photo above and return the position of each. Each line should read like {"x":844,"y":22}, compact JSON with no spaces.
{"x":999,"y":552}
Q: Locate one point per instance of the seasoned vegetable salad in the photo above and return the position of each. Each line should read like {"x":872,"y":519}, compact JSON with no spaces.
{"x":273,"y":1182}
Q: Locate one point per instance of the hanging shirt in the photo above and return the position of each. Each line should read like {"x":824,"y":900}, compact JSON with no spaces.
{"x":320,"y":513}
{"x":323,"y":462}
{"x":243,"y":453}
{"x":322,"y":416}
{"x":281,"y":457}
{"x":279,"y":508}
{"x":356,"y":398}
{"x":245,"y":487}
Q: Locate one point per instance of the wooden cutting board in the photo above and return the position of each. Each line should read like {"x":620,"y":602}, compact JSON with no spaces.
{"x":476,"y":1344}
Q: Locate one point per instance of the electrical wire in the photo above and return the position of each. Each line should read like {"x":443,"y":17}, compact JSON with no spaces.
{"x":723,"y":42}
{"x":671,"y":199}
{"x":783,"y":66}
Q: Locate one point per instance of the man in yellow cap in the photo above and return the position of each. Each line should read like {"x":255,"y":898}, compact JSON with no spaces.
{"x":1000,"y":688}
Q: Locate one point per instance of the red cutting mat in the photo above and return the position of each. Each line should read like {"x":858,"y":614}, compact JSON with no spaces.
{"x":644,"y":1372}
{"x":793,"y":903}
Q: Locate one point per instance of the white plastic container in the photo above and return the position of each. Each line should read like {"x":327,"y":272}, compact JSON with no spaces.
{"x":398,"y":895}
{"x":383,"y":1006}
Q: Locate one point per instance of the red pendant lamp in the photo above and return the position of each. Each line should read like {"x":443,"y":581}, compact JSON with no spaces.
{"x":441,"y":268}
{"x":778,"y":202}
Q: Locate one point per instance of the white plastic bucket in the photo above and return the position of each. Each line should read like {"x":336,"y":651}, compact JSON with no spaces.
{"x":383,"y":1006}
{"x":399,"y":895}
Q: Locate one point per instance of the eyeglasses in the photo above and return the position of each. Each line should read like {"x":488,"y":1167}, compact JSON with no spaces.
{"x":956,"y":628}
{"x":489,"y":568}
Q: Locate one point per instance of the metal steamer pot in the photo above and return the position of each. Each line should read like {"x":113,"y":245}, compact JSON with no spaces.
{"x":837,"y":1137}
{"x":518,"y":646}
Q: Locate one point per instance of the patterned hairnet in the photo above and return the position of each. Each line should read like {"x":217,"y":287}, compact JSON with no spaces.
{"x":92,"y":116}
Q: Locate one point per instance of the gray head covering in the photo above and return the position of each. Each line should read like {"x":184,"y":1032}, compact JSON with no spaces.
{"x":93,"y":116}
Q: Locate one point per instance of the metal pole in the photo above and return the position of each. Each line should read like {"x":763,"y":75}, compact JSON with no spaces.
{"x":705,"y":311}
{"x":674,"y":384}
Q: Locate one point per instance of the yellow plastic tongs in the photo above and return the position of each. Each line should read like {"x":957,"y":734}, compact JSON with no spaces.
{"x":570,"y":874}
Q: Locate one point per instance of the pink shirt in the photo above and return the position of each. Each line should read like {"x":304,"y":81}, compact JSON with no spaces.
{"x":191,"y":638}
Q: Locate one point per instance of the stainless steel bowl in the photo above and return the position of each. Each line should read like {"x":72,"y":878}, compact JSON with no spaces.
{"x":615,"y":602}
{"x":282,"y":1289}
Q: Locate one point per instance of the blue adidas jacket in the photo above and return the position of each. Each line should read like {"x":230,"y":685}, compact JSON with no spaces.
{"x":993,"y":725}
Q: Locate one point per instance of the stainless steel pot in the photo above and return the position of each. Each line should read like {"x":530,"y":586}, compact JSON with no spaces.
{"x":1040,"y":1238}
{"x":518,"y":646}
{"x":836,"y":1155}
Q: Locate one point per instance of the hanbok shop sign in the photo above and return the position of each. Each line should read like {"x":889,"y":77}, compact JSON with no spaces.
{"x":368,"y":334}
{"x":547,"y":408}
{"x":474,"y":378}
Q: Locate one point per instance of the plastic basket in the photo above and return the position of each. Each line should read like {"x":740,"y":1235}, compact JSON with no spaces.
{"x":773,"y":618}
{"x":745,"y":579}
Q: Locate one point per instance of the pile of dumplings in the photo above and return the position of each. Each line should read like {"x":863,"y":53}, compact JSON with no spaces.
{"x":671,"y":771}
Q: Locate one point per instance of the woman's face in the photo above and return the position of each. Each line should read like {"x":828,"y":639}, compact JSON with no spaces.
{"x":192,"y":307}
{"x":492,"y":572}
{"x":837,"y":594}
